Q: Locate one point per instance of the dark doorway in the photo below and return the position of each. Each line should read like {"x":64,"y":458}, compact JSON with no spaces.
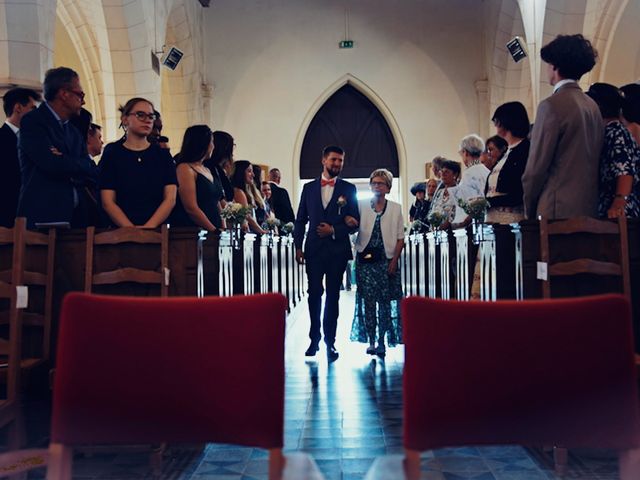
{"x":349,"y":119}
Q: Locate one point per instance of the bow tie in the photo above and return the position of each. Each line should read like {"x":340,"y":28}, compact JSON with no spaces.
{"x":324,"y":182}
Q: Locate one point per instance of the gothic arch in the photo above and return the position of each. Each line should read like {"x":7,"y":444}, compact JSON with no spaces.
{"x":509,"y":81}
{"x":373,"y":97}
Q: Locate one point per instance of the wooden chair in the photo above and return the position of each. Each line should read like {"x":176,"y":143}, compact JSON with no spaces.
{"x":28,"y":248}
{"x":144,"y":370}
{"x":595,"y":266}
{"x":533,"y":372}
{"x":119,"y":237}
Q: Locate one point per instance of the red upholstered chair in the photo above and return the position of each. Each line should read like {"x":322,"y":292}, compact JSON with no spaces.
{"x":542,"y":372}
{"x":144,"y":370}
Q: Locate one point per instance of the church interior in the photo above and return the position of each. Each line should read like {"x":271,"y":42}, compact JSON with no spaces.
{"x":396,"y":83}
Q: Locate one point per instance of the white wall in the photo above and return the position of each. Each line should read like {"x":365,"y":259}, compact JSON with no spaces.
{"x":270,"y":61}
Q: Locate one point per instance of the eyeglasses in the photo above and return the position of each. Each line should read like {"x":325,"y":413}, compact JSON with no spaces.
{"x":378,"y":184}
{"x":142,"y":116}
{"x":78,"y":93}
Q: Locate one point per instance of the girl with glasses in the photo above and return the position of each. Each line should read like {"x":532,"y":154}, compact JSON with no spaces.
{"x":138,"y":182}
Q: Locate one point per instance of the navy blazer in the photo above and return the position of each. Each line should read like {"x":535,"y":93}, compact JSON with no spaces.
{"x":10,"y":176}
{"x":310,"y":210}
{"x":48,"y":180}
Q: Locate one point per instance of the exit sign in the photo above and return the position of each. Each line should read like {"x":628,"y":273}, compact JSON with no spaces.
{"x":346,"y":44}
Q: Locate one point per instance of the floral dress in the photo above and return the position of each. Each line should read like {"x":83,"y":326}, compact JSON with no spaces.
{"x":378,"y":296}
{"x":620,"y":156}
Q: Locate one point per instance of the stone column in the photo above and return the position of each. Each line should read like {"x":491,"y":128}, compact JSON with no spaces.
{"x":26,"y":42}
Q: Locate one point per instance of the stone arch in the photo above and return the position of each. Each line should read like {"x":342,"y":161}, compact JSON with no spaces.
{"x":509,"y":81}
{"x":368,"y":92}
{"x":180,"y":103}
{"x":85,"y":25}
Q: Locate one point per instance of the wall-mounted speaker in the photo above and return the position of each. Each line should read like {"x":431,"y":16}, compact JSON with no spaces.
{"x":172,"y":58}
{"x":517,"y":49}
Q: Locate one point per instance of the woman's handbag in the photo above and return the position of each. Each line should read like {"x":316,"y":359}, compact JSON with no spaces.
{"x":370,"y":255}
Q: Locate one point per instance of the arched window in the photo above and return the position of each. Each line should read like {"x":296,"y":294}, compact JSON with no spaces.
{"x":349,"y":119}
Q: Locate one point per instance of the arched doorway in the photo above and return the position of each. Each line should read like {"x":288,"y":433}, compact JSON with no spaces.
{"x":349,"y":119}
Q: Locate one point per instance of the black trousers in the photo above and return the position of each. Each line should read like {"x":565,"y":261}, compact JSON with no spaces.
{"x":322,"y":266}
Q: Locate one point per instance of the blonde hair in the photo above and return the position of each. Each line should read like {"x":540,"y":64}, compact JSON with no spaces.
{"x":383,"y":173}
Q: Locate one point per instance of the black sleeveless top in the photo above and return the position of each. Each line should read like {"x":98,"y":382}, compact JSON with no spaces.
{"x":208,"y":194}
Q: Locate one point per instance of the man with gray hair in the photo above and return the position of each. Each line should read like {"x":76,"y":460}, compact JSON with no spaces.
{"x":53,"y":155}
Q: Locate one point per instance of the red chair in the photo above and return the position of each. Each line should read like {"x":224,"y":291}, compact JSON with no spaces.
{"x":544,"y":372}
{"x":145,"y":370}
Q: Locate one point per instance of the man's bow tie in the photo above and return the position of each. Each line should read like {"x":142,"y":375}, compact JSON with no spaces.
{"x":324,"y":182}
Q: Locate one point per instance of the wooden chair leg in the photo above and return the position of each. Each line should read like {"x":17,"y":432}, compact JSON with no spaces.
{"x":60,"y":462}
{"x":412,"y":464}
{"x":560,"y":457}
{"x":276,"y":463}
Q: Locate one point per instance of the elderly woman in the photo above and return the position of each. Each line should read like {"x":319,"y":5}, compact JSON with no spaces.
{"x":138,"y":183}
{"x":475,"y":174}
{"x":445,"y":200}
{"x":378,"y":246}
{"x":504,"y":184}
{"x":620,"y":158}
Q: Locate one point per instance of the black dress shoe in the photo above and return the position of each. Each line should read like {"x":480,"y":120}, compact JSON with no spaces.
{"x":332,"y":354}
{"x":311,"y":351}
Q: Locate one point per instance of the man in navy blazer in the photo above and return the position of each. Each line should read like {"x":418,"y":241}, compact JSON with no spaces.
{"x":17,"y":102}
{"x":325,"y":203}
{"x":54,"y":162}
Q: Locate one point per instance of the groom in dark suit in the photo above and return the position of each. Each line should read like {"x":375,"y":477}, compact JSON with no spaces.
{"x":324,"y":204}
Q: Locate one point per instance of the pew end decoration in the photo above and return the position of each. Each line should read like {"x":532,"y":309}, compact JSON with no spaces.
{"x":287,"y":228}
{"x":235,"y":215}
{"x":476,"y":208}
{"x":271,"y":224}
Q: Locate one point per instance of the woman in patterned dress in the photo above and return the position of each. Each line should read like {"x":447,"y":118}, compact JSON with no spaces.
{"x":619,"y":160}
{"x":378,"y":246}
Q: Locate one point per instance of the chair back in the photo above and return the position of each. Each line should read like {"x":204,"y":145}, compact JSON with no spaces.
{"x":546,"y":372}
{"x":594,"y":264}
{"x":126,"y":268}
{"x":26,"y":260}
{"x":141,"y":370}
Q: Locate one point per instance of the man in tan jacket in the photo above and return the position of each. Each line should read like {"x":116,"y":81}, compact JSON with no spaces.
{"x":561,"y":177}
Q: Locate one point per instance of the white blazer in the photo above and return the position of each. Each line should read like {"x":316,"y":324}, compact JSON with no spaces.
{"x":391,"y":226}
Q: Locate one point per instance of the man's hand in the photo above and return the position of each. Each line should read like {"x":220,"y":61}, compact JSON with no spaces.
{"x":299,"y":256}
{"x":324,"y":230}
{"x":351,"y":221}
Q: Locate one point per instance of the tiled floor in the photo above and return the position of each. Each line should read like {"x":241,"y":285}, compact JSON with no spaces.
{"x":344,"y":414}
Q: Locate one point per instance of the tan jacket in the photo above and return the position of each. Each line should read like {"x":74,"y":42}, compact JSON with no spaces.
{"x":561,"y":177}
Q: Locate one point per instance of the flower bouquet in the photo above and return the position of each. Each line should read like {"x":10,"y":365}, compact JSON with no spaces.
{"x":270,"y":224}
{"x":235,"y":215}
{"x":476,"y":208}
{"x":437,"y":219}
{"x":417,"y":226}
{"x":287,"y":228}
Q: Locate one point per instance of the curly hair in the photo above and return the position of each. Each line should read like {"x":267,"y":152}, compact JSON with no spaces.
{"x":571,"y":55}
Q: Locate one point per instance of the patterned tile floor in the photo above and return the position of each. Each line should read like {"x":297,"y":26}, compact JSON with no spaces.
{"x":344,"y":414}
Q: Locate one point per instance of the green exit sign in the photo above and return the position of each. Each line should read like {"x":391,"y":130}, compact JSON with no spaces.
{"x":346,"y":44}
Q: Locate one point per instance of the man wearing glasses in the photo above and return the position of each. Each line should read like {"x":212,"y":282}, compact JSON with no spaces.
{"x":53,"y":156}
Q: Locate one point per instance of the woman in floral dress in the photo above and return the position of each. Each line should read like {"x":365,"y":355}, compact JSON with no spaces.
{"x":378,"y":246}
{"x":619,"y":160}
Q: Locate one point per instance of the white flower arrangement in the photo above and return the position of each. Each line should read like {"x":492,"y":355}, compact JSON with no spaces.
{"x":287,"y":228}
{"x":271,"y":223}
{"x":235,"y":213}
